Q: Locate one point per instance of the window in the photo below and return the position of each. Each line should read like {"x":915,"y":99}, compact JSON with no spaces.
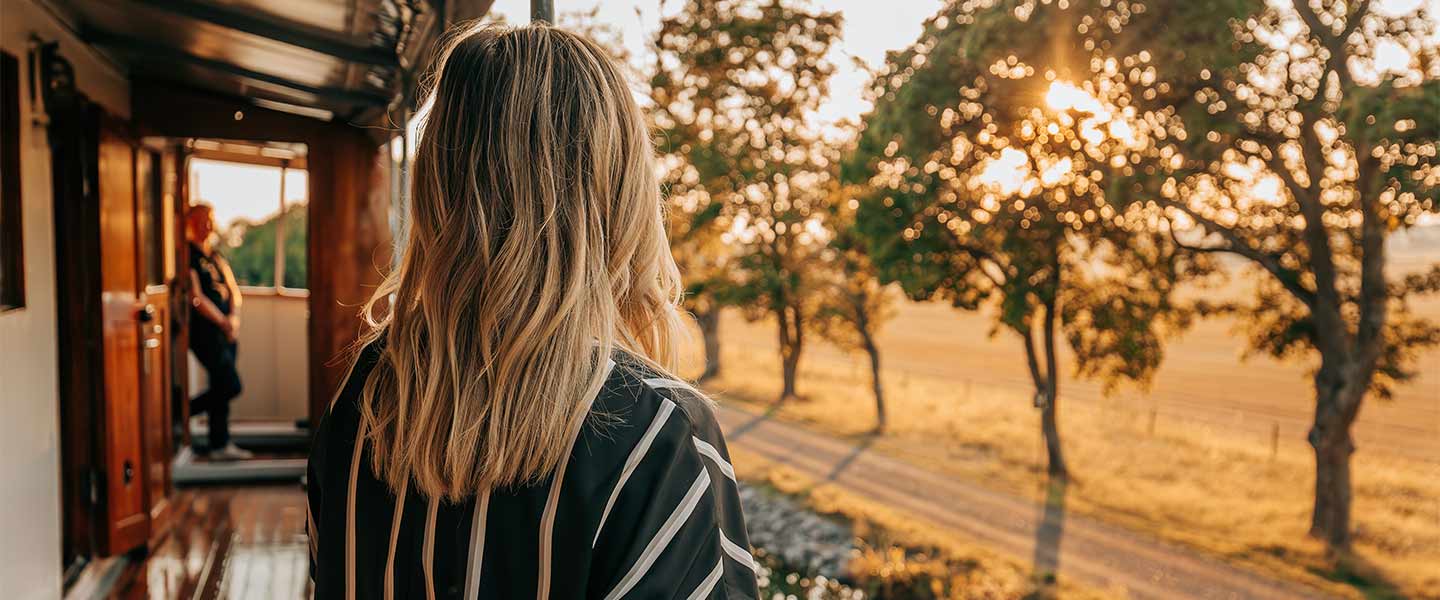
{"x":12,"y":245}
{"x":261,"y":212}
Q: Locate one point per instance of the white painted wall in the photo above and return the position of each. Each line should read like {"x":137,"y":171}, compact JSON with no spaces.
{"x":29,"y":428}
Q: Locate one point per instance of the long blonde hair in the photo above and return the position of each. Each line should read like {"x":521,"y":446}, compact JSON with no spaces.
{"x":536,"y":247}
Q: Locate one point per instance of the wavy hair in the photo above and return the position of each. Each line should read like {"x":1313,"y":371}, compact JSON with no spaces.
{"x":536,"y":248}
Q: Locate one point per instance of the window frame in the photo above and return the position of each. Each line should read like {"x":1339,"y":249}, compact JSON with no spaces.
{"x":286,"y":166}
{"x":12,"y":226}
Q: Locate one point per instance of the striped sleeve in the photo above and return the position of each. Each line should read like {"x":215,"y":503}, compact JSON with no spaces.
{"x":674,"y":528}
{"x":331,"y":452}
{"x":313,"y":470}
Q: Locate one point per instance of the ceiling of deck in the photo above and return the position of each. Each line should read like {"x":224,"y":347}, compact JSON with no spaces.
{"x":347,"y":58}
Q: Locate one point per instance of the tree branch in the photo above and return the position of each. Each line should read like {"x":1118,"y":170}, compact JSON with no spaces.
{"x":981,"y":255}
{"x":1238,"y":246}
{"x":1333,"y":43}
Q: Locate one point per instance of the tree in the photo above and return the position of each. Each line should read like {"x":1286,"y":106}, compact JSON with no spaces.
{"x":1297,"y":136}
{"x":252,"y":249}
{"x":986,"y":172}
{"x":1303,"y":158}
{"x":855,"y":303}
{"x":734,"y":86}
{"x":697,"y":228}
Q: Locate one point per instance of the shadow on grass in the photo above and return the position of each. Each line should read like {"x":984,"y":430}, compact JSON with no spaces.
{"x":759,"y":419}
{"x":1048,"y":535}
{"x":1355,"y":571}
{"x":850,"y":457}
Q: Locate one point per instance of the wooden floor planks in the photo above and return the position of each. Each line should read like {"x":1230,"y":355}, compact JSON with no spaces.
{"x":229,"y":542}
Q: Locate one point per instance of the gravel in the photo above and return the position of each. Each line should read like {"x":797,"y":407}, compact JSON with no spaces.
{"x":801,"y":539}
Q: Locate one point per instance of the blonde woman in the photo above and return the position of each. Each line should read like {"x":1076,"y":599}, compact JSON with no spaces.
{"x":511,"y":428}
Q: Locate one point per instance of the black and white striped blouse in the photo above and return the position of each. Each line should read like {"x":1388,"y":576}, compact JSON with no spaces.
{"x":646,"y":506}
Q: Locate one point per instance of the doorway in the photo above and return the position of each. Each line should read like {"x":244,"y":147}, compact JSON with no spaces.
{"x":258,"y":193}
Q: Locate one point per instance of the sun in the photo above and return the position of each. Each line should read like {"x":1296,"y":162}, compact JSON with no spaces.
{"x":1064,"y":95}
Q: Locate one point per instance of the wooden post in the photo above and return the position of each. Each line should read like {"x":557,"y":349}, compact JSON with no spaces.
{"x":280,"y":230}
{"x":1154,"y":412}
{"x":1274,"y":440}
{"x":542,"y":10}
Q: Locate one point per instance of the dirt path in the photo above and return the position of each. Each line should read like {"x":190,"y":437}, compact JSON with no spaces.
{"x":1090,"y":552}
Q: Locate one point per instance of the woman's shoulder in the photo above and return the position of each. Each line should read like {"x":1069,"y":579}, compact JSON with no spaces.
{"x":636,"y":397}
{"x":343,"y":413}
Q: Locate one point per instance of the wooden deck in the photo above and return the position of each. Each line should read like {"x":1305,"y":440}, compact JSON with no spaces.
{"x":228,"y":542}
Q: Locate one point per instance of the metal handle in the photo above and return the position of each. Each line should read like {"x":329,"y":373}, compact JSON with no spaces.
{"x":150,"y":344}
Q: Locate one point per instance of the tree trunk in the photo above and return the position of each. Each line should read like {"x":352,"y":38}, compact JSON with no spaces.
{"x":1048,"y":415}
{"x":791,"y":342}
{"x":1055,"y":459}
{"x":1336,"y":406}
{"x":1047,"y":390}
{"x":709,"y":322}
{"x":874,"y":352}
{"x":1330,"y":521}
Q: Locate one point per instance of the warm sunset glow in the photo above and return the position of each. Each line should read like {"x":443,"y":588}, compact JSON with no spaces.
{"x":1391,"y":57}
{"x":1006,"y":172}
{"x":1064,"y":95}
{"x":1267,"y":190}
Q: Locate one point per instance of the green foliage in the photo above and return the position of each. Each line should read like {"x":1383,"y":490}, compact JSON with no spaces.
{"x":1020,"y":141}
{"x":734,"y":85}
{"x":253,"y":259}
{"x":855,"y":303}
{"x":1346,"y":155}
{"x":990,"y":190}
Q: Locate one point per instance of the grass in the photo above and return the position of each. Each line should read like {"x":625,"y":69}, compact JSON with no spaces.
{"x":1184,"y":482}
{"x":899,"y":557}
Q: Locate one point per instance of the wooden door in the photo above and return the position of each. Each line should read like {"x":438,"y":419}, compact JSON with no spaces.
{"x":126,"y":518}
{"x":155,"y":260}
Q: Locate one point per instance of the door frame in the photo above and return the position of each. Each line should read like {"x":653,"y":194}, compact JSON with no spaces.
{"x":73,"y":136}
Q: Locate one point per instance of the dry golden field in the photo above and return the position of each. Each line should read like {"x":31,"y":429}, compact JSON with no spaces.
{"x":1190,"y":460}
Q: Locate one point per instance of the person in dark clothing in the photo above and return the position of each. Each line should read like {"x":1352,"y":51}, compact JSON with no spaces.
{"x":214,"y":323}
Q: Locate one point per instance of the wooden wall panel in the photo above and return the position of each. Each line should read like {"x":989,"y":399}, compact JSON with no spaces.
{"x":349,"y":248}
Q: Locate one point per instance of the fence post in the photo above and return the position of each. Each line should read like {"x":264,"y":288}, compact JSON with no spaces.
{"x":1154,"y":412}
{"x":1274,"y":440}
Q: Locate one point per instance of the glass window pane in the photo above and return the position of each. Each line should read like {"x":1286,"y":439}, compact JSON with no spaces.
{"x":250,"y":248}
{"x":246,"y":199}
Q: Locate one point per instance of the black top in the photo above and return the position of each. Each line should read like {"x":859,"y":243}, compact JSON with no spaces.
{"x":214,"y":286}
{"x":646,"y":506}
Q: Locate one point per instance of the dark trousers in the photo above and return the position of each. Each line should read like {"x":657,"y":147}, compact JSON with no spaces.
{"x":218,"y":358}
